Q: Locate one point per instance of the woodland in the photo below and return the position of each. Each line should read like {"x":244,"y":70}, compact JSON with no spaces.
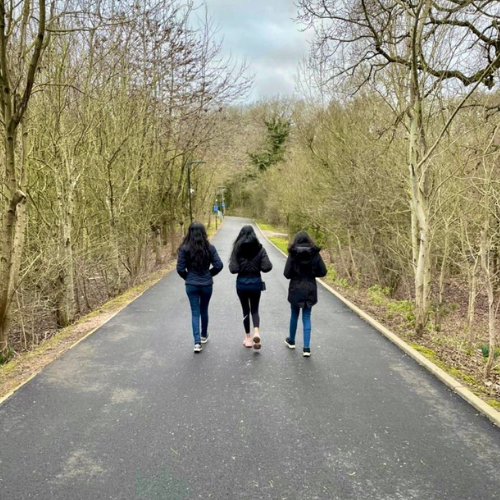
{"x":388,"y":154}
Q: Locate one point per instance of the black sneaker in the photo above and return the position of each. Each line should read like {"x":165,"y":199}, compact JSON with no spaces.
{"x":204,"y":340}
{"x":289,"y":343}
{"x":306,"y":352}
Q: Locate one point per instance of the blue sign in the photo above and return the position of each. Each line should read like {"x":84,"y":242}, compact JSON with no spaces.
{"x":223,"y":205}
{"x":216,"y":208}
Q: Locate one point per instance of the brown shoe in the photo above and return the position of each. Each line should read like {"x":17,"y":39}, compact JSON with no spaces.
{"x":256,"y":341}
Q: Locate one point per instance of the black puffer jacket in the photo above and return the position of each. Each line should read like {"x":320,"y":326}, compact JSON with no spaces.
{"x":248,"y":268}
{"x":303,"y":266}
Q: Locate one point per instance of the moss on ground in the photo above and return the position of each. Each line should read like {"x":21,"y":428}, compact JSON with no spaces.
{"x":494,"y":403}
{"x":428,"y":353}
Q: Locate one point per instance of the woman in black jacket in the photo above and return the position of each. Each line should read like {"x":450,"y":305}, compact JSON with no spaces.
{"x":248,"y":259}
{"x":303,"y":266}
{"x":195,"y":256}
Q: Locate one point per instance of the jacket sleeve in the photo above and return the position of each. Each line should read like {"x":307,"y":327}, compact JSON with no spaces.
{"x":265,"y":264}
{"x":234,"y":265}
{"x":288,"y":268}
{"x":181,"y":264}
{"x":217,"y":264}
{"x":319,"y":268}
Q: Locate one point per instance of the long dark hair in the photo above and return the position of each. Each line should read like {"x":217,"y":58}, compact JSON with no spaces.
{"x":302,"y":239}
{"x":246,"y":244}
{"x":197,"y":247}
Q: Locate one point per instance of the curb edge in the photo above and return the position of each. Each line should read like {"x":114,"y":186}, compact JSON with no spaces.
{"x":88,"y":334}
{"x":457,"y":387}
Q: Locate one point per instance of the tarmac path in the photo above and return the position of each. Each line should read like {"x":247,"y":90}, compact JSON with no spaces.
{"x":133,"y":413}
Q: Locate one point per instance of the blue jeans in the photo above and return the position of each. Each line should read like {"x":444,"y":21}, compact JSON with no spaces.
{"x":199,"y":298}
{"x":306,"y":323}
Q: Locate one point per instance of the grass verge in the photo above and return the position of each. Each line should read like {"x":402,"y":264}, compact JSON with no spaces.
{"x":397,"y":316}
{"x":26,"y":365}
{"x":281,"y":243}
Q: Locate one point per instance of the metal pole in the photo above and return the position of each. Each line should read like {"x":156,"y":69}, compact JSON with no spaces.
{"x":189,"y":192}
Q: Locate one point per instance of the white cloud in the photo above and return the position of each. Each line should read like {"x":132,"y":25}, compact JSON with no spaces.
{"x":264,"y":34}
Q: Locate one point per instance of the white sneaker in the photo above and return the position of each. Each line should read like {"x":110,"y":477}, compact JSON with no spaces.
{"x":198,"y":348}
{"x":204,"y":340}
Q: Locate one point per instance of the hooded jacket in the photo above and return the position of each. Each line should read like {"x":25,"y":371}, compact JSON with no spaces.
{"x":303,"y":266}
{"x":248,"y":266}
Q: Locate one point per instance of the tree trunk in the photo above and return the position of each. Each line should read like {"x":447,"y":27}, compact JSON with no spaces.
{"x":157,"y":241}
{"x":442,"y":278}
{"x":115,"y":278}
{"x":11,"y":237}
{"x":419,"y":205}
{"x":66,"y":280}
{"x":472,"y":272}
{"x":486,"y":265}
{"x":355,"y":272}
{"x":114,"y":282}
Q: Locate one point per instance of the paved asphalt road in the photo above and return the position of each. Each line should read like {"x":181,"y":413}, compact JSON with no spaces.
{"x":133,"y":413}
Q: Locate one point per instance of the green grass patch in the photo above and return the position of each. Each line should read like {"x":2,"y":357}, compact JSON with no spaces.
{"x":281,"y":243}
{"x":270,"y":227}
{"x":267,"y":227}
{"x":463,"y":376}
{"x":494,"y":403}
{"x":428,"y":353}
{"x":378,"y":295}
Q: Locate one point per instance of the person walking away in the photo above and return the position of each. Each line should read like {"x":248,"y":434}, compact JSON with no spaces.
{"x":248,"y":259}
{"x":197,"y":264}
{"x":303,"y":266}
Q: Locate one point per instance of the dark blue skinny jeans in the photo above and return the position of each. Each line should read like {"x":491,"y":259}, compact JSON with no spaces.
{"x":199,"y":298}
{"x":306,"y":324}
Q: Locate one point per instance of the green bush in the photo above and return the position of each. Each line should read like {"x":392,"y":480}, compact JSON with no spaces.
{"x":485,"y":349}
{"x":331,"y":275}
{"x":405,"y":309}
{"x":4,"y":357}
{"x":378,"y":295}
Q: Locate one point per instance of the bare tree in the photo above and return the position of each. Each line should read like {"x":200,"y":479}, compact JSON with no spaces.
{"x":426,"y":39}
{"x":22,"y":33}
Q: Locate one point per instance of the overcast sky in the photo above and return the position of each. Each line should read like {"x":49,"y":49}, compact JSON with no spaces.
{"x":263,"y":33}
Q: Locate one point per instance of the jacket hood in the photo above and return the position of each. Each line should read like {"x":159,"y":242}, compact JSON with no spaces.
{"x":250,"y":249}
{"x":304,"y":254}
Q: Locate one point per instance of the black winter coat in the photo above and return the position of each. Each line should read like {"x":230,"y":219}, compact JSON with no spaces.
{"x":249,"y":269}
{"x":303,"y":266}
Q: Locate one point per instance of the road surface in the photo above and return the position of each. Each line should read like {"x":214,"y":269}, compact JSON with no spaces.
{"x":133,"y":413}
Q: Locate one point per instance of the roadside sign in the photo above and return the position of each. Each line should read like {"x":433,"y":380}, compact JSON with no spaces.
{"x":216,"y":208}
{"x":223,"y":205}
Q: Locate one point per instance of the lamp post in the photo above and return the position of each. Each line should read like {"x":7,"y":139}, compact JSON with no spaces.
{"x":189,"y":163}
{"x":222,"y":190}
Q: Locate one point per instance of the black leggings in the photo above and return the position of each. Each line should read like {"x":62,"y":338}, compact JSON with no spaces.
{"x":250,"y":304}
